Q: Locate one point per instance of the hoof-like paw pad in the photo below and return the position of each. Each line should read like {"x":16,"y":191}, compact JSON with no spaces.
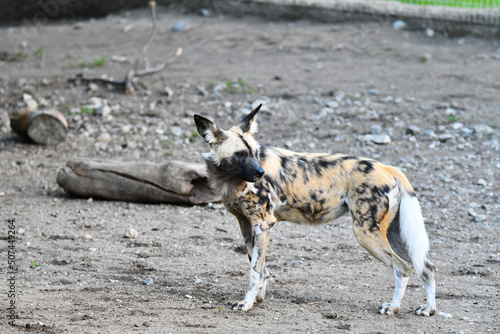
{"x":388,"y":309}
{"x":241,"y":306}
{"x":425,"y":310}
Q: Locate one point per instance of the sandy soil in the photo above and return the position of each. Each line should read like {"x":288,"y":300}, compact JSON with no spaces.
{"x":77,"y":271}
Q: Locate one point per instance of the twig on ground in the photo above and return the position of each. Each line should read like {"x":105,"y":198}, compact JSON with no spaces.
{"x":136,"y":72}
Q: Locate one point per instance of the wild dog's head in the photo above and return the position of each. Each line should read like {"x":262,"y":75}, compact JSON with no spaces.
{"x":234,"y":151}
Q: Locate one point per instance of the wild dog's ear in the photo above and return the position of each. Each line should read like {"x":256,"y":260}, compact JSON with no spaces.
{"x":249,"y":122}
{"x":208,"y":130}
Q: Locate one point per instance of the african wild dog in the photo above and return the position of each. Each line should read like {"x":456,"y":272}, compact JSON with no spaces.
{"x":263,"y":185}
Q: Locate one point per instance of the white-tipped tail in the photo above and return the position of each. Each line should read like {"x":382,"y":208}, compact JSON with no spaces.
{"x":412,"y":230}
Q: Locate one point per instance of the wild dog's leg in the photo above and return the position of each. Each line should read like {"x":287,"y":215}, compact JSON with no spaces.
{"x":399,"y":291}
{"x":430,"y":290}
{"x":257,"y":266}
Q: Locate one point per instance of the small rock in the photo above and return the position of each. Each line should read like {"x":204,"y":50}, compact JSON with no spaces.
{"x":337,"y":47}
{"x":104,"y":137}
{"x":188,"y":296}
{"x":482,"y":130}
{"x":482,"y":182}
{"x":375,"y":129}
{"x":179,"y":26}
{"x":399,"y":25}
{"x":78,"y":26}
{"x":446,"y":315}
{"x":31,"y":104}
{"x":198,"y":281}
{"x":450,"y":111}
{"x":377,"y":139}
{"x":457,"y":125}
{"x":119,"y":59}
{"x":386,"y":99}
{"x":148,"y":281}
{"x":204,"y":12}
{"x":429,"y":32}
{"x":372,"y":91}
{"x":479,"y":218}
{"x":297,"y":261}
{"x":413,"y":130}
{"x":496,"y":56}
{"x":92,"y":87}
{"x":176,"y":131}
{"x":201,"y":90}
{"x":288,"y":144}
{"x":132,"y":234}
{"x":87,"y":237}
{"x":332,"y":104}
{"x":445,"y":137}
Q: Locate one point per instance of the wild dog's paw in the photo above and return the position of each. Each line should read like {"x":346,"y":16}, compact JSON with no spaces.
{"x":242,"y":305}
{"x":425,"y":310}
{"x":261,"y":294}
{"x":389,"y":309}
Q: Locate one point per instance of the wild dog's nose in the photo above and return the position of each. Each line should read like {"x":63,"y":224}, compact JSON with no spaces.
{"x":259,"y":172}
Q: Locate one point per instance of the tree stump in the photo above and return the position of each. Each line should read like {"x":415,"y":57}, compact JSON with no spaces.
{"x":45,"y":127}
{"x":172,"y":182}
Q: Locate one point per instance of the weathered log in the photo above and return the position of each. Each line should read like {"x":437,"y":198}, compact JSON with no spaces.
{"x":45,"y":127}
{"x":172,"y":182}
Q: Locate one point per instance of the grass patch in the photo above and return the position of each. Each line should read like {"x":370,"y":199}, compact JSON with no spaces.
{"x":169,"y":152}
{"x":35,"y":264}
{"x":39,"y":53}
{"x":98,"y":62}
{"x":456,"y":3}
{"x":453,"y":118}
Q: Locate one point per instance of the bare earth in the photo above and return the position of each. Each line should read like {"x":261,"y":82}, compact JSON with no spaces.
{"x":77,"y":271}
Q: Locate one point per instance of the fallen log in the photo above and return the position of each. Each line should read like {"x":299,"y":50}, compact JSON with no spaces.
{"x":173,"y":182}
{"x":45,"y":127}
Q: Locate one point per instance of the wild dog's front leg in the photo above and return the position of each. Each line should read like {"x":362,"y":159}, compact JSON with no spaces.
{"x":258,"y":272}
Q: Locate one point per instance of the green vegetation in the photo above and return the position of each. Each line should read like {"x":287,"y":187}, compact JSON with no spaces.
{"x":39,"y":53}
{"x":169,"y":152}
{"x":35,"y":264}
{"x":456,"y":3}
{"x":453,"y":118}
{"x":98,"y":62}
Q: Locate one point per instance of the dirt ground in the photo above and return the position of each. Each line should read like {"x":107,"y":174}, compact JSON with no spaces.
{"x":324,"y":88}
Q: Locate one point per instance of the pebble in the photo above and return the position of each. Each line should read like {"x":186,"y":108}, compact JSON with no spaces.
{"x":204,"y":12}
{"x":332,"y":104}
{"x":375,"y":129}
{"x":132,"y":233}
{"x":429,"y":32}
{"x":119,"y":59}
{"x":176,"y":131}
{"x":445,"y":137}
{"x":377,"y":139}
{"x":457,"y":125}
{"x":148,"y":281}
{"x":399,"y":25}
{"x":87,"y":237}
{"x":372,"y":91}
{"x":446,"y":315}
{"x":386,"y":99}
{"x":179,"y":26}
{"x":482,"y":182}
{"x":288,"y":144}
{"x":482,"y":130}
{"x":188,"y":296}
{"x":413,"y":130}
{"x":168,"y":92}
{"x":297,"y":261}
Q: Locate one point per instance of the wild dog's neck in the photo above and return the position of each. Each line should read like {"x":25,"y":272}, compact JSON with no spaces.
{"x":222,"y":183}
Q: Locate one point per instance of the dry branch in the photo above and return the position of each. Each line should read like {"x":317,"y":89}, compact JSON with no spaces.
{"x":136,"y":72}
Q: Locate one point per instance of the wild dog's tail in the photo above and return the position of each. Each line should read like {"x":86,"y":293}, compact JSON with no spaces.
{"x":411,"y":224}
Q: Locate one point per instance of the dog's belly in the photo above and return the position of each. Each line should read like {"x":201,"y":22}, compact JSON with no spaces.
{"x":311,"y":213}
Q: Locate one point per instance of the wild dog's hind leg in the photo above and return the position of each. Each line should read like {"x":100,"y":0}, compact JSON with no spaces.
{"x":399,"y":291}
{"x":430,"y":290}
{"x":257,"y":255}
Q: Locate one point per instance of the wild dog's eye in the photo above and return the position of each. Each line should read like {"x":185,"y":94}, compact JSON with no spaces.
{"x":239,"y":154}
